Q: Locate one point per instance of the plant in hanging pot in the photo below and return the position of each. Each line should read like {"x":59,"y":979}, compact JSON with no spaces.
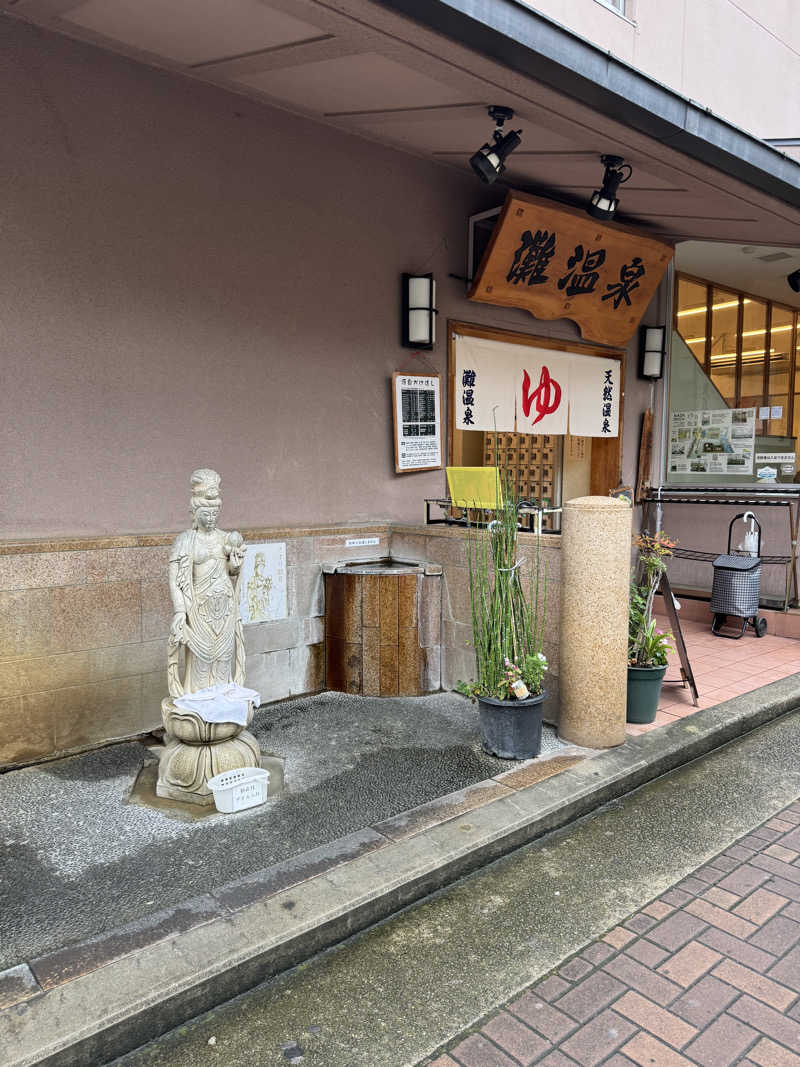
{"x":508,"y":616}
{"x":648,"y":645}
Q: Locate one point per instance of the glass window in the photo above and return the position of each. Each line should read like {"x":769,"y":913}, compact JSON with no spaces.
{"x":780,"y":352}
{"x":796,"y":409}
{"x":724,"y":332}
{"x":734,"y":387}
{"x":691,"y":316}
{"x":754,"y":329}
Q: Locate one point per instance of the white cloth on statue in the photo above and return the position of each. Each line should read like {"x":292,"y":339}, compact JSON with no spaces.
{"x":226,"y":702}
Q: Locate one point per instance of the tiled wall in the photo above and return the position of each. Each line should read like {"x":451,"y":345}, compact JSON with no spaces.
{"x":83,"y":635}
{"x":84,"y":623}
{"x":81,"y":642}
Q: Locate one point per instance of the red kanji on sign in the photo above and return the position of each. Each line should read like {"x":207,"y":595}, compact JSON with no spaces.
{"x":547,"y":395}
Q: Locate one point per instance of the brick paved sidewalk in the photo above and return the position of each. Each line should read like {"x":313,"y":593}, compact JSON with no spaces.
{"x":707,"y":974}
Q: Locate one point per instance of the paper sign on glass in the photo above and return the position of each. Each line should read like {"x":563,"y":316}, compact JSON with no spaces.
{"x":714,"y":441}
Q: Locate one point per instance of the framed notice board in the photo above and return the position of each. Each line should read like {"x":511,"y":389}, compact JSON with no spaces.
{"x":417,"y":410}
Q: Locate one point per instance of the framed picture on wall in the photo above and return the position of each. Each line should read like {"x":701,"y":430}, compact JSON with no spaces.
{"x":417,"y":410}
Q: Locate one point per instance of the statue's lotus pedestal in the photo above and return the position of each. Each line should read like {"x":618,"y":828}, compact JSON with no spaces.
{"x":196,"y":750}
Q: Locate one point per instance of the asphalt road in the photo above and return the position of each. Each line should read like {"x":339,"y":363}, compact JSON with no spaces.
{"x":390,"y":996}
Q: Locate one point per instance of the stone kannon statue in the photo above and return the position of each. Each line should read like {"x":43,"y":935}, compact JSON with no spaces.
{"x":204,"y":570}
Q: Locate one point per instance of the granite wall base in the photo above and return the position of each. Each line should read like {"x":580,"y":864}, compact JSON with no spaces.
{"x":84,"y":624}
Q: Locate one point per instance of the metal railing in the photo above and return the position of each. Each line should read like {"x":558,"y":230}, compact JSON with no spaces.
{"x":532,"y":515}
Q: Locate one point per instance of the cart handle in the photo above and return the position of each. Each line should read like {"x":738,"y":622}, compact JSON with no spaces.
{"x":744,"y":515}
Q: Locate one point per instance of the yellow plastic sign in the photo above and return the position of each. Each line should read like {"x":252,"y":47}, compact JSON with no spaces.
{"x":475,"y":487}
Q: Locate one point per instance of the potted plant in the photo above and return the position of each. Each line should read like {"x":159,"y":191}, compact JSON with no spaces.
{"x":507,"y":626}
{"x":647,"y":644}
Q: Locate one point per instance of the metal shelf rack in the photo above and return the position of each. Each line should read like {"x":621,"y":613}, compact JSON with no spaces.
{"x":785,"y":496}
{"x":531,"y":514}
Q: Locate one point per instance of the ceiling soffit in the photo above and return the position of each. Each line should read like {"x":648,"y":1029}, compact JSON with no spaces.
{"x":361,"y":67}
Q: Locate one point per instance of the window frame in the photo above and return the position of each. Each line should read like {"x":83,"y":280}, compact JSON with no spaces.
{"x":743,"y":295}
{"x":621,"y":10}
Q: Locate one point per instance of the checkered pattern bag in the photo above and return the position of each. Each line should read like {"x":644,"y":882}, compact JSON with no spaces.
{"x":737,"y":585}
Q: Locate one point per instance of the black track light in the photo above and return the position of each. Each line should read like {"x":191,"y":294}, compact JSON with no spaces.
{"x":794,"y":280}
{"x":604,"y":201}
{"x":489,"y":161}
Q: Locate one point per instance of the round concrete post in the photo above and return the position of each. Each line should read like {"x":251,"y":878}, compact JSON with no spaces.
{"x":595,"y":573}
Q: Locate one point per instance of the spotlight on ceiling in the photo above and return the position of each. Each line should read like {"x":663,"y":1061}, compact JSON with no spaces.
{"x":794,"y":280}
{"x":604,"y":201}
{"x":489,"y":161}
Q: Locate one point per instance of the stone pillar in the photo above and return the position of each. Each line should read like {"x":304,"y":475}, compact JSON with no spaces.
{"x":595,"y":576}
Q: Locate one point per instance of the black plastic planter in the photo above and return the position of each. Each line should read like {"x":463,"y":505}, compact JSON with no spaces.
{"x":512,"y":729}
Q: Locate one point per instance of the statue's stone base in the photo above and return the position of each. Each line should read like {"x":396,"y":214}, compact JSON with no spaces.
{"x":185,"y":766}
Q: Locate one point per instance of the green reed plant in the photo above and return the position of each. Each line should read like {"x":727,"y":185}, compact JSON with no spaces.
{"x":508,"y":611}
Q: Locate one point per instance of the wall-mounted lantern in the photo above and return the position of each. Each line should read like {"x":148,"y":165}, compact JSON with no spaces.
{"x":652,"y":342}
{"x":419,"y":311}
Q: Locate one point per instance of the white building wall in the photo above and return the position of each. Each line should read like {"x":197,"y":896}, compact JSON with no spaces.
{"x":739,"y":58}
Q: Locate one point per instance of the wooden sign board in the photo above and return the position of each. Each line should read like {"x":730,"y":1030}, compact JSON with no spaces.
{"x":560,"y":263}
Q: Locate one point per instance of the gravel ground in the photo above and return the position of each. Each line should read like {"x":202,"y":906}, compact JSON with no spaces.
{"x":76,"y":858}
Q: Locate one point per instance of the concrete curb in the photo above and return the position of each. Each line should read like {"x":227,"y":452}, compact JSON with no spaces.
{"x":218,"y":952}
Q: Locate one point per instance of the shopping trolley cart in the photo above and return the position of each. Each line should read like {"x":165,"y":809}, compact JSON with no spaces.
{"x":737,"y":585}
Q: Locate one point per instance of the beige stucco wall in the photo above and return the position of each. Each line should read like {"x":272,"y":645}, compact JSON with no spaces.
{"x":738,"y":59}
{"x":196,"y":280}
{"x":193,"y":279}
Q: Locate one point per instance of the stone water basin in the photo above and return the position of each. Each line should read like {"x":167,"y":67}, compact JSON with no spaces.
{"x":385,"y":566}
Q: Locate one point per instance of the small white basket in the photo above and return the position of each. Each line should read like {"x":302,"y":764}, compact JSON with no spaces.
{"x":239,"y":789}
